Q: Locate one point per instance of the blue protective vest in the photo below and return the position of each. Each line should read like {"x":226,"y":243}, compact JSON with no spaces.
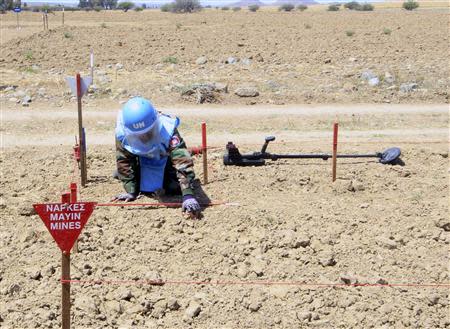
{"x":151,"y":164}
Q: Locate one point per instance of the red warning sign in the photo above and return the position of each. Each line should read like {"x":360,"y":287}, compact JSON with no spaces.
{"x":65,"y":221}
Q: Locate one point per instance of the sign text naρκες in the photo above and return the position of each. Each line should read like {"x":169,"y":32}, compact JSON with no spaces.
{"x":65,"y":216}
{"x":65,"y":207}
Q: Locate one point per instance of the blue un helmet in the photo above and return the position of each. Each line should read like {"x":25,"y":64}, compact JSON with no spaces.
{"x":138,"y":115}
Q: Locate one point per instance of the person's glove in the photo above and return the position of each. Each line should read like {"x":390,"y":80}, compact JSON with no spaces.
{"x":191,"y":206}
{"x":127,"y":197}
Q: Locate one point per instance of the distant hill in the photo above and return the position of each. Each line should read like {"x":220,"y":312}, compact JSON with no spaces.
{"x":246,"y":3}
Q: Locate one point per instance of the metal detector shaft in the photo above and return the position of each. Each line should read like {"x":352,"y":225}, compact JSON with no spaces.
{"x":308,"y":156}
{"x":376,"y":155}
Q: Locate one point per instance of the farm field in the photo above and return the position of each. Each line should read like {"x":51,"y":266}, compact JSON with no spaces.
{"x":293,"y":249}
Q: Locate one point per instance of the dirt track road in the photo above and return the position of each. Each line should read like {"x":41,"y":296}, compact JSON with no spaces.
{"x":245,"y":124}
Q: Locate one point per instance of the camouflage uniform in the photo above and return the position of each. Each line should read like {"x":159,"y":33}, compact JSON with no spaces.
{"x":178,"y":173}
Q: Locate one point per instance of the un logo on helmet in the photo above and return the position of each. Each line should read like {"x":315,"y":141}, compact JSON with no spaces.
{"x":139,"y":125}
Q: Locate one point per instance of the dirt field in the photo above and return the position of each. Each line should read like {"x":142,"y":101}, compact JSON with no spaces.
{"x":289,"y":58}
{"x":280,"y":255}
{"x":375,"y":224}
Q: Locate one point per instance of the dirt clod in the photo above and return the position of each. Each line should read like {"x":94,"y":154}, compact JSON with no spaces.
{"x":193,"y":309}
{"x":247,"y":91}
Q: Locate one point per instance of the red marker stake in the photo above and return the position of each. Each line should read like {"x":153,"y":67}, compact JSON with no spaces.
{"x":204,"y":154}
{"x":73,"y":199}
{"x":65,"y":198}
{"x":73,"y":192}
{"x":335,"y":138}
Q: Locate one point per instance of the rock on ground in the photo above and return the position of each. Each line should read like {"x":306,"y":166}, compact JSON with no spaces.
{"x":247,"y":91}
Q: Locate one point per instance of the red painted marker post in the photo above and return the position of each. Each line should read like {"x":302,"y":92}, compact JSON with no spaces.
{"x":65,"y":198}
{"x":73,"y":199}
{"x":80,"y":133}
{"x":73,"y":192}
{"x":335,"y":138}
{"x":65,"y":221}
{"x":204,"y":154}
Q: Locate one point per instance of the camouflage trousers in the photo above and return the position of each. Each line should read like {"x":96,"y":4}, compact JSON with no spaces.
{"x":171,"y":185}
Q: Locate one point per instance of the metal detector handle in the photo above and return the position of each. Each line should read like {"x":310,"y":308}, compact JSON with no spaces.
{"x":266,"y":143}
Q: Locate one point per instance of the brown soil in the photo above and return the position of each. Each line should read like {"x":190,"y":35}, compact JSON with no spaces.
{"x":294,"y":57}
{"x":375,"y":225}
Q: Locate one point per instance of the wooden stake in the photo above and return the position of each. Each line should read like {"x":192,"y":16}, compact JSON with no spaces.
{"x":65,"y":275}
{"x":335,"y":138}
{"x":81,"y":134}
{"x":85,"y":154}
{"x":63,"y":16}
{"x":204,"y":154}
{"x":43,"y":20}
{"x":65,"y":296}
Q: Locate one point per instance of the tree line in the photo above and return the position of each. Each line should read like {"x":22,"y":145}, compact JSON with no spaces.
{"x":106,"y":4}
{"x":181,"y":6}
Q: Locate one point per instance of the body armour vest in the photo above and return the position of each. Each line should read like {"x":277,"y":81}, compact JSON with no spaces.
{"x":152,"y":158}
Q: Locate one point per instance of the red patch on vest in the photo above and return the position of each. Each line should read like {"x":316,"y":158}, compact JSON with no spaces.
{"x":174,"y":142}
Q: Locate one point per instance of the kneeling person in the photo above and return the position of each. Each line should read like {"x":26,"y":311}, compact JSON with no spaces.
{"x":151,"y":155}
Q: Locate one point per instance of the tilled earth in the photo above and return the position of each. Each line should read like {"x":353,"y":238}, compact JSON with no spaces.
{"x":268,"y":259}
{"x":289,"y":58}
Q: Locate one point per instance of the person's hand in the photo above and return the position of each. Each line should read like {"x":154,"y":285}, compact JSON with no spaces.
{"x":127,"y":197}
{"x":191,"y":207}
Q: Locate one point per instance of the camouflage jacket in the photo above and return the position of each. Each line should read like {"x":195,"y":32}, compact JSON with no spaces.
{"x":128,"y":167}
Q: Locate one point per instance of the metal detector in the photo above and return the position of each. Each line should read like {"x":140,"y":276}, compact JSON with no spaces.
{"x":233,"y":157}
